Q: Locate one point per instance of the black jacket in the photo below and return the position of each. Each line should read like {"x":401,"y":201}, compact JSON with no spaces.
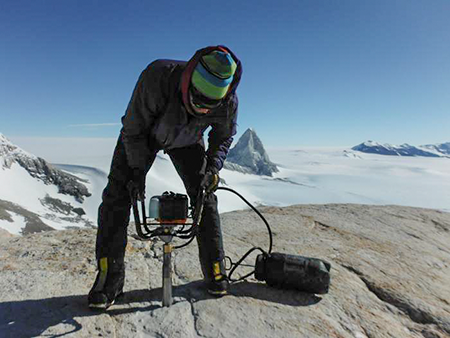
{"x":157,"y":116}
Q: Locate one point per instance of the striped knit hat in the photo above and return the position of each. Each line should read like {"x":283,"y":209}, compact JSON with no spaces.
{"x":213,"y":74}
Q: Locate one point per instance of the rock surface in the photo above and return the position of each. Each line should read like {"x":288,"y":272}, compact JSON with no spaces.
{"x":390,"y":278}
{"x":5,"y":234}
{"x":249,"y":156}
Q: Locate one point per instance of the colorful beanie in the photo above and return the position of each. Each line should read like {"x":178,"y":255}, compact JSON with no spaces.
{"x":213,"y":74}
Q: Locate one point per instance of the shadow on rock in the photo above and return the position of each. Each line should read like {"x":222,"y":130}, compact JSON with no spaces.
{"x":34,"y":317}
{"x":264,"y":292}
{"x":30,"y":318}
{"x":195,"y":291}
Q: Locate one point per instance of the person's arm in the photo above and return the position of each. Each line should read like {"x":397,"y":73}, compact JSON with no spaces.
{"x":143,"y":108}
{"x":220,"y":138}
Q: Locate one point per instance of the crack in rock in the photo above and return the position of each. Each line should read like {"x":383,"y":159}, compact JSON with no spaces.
{"x":113,"y":321}
{"x":367,"y":333}
{"x":154,"y":250}
{"x":147,"y":256}
{"x":175,"y":270}
{"x":195,"y":316}
{"x":417,"y":315}
{"x":323,"y":225}
{"x":440,"y":226}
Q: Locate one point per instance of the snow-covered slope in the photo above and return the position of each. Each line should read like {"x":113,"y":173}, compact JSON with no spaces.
{"x":405,"y":149}
{"x":440,"y":149}
{"x":306,"y":175}
{"x":340,"y":175}
{"x":36,"y":196}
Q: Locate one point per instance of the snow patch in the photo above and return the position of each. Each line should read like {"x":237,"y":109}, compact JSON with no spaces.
{"x":15,"y":227}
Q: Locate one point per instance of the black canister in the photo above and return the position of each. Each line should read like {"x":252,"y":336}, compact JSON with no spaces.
{"x":284,"y":271}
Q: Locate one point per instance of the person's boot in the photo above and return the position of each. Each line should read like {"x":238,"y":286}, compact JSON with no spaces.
{"x":210,"y":247}
{"x":218,"y":284}
{"x":214,"y":275}
{"x":108,"y":283}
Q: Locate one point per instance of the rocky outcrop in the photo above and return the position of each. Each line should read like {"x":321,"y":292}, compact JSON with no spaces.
{"x":249,"y":156}
{"x":442,"y":148}
{"x":33,"y":222}
{"x":371,"y":147}
{"x":38,"y":168}
{"x":390,"y":278}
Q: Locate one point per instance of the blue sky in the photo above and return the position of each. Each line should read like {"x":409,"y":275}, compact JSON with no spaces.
{"x":316,"y":72}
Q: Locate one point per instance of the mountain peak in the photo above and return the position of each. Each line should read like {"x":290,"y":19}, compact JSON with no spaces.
{"x":10,"y":153}
{"x":404,"y":149}
{"x":371,"y":143}
{"x":249,"y":156}
{"x":4,"y":140}
{"x":440,"y":148}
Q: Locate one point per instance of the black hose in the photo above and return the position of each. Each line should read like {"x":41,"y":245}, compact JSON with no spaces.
{"x":236,"y":265}
{"x":255,"y":210}
{"x":185,"y":244}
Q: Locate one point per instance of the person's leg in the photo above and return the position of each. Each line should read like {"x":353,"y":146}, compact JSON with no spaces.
{"x":113,"y":218}
{"x":190,"y":163}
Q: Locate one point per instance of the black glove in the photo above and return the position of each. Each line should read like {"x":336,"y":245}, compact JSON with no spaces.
{"x":210,"y":181}
{"x":136,"y":186}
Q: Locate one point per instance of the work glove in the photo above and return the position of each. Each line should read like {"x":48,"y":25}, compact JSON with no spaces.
{"x":136,"y":185}
{"x":210,"y":181}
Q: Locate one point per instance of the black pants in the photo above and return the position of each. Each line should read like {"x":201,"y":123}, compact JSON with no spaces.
{"x":114,"y":211}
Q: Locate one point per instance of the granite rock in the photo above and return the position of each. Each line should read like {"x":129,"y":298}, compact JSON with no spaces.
{"x":390,"y":278}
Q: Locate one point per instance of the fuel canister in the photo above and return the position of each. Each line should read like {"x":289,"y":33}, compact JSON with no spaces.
{"x":154,"y":207}
{"x":284,"y":271}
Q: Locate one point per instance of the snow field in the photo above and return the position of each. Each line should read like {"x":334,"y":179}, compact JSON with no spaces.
{"x":307,"y":176}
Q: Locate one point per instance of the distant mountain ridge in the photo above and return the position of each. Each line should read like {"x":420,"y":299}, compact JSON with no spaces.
{"x":248,"y":156}
{"x":41,"y":170}
{"x":437,"y":150}
{"x":443,"y":148}
{"x":31,"y":196}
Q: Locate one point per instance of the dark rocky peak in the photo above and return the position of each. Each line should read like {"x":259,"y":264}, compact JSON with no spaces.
{"x":249,"y":156}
